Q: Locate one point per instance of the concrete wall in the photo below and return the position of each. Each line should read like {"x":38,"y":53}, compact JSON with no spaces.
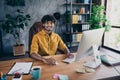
{"x":36,"y":9}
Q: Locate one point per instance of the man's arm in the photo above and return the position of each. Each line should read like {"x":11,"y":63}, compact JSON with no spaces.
{"x":37,"y":56}
{"x":63,"y":47}
{"x":51,"y":61}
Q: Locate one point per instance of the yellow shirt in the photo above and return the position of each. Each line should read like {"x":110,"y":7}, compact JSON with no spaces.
{"x":44,"y":44}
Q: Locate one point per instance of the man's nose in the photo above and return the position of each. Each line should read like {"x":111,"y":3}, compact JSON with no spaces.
{"x":49,"y":24}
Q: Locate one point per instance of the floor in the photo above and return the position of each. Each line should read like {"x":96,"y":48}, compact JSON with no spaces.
{"x":72,"y":50}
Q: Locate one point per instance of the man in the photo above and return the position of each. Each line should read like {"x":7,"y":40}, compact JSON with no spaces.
{"x":46,"y":42}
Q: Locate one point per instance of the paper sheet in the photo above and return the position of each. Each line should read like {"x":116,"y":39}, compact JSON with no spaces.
{"x":21,"y":67}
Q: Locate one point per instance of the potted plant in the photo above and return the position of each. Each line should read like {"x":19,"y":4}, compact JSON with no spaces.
{"x":14,"y":25}
{"x":98,"y":18}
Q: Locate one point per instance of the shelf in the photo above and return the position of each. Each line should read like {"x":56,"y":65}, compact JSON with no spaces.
{"x":73,"y":32}
{"x":79,"y":23}
{"x":74,"y":44}
{"x":82,"y":14}
{"x":77,"y":20}
{"x":77,"y":4}
{"x":71,"y":42}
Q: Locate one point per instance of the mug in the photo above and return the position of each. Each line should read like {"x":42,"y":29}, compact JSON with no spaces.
{"x":36,"y":72}
{"x":3,"y":77}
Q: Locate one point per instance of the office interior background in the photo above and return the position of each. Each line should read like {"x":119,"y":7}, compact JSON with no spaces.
{"x":37,"y":9}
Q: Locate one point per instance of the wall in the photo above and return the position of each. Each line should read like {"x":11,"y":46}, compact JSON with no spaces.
{"x":36,"y":9}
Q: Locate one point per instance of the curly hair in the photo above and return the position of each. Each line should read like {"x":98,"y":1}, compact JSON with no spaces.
{"x":47,"y":18}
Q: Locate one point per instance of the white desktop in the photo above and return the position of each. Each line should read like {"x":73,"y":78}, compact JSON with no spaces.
{"x":88,"y":45}
{"x":89,"y":38}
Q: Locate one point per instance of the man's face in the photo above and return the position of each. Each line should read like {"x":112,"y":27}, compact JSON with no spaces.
{"x":49,"y":25}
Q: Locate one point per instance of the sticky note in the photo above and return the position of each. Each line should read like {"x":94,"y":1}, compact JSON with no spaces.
{"x":89,"y":70}
{"x":80,"y":70}
{"x":63,"y":77}
{"x":56,"y":76}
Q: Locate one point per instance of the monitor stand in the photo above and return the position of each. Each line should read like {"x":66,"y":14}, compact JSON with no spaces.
{"x":96,"y":58}
{"x":91,"y":64}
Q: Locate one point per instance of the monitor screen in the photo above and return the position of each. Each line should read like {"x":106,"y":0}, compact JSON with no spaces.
{"x":112,"y":39}
{"x":89,"y":38}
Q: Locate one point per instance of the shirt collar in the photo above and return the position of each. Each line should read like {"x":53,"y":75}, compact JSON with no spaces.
{"x":45,"y":33}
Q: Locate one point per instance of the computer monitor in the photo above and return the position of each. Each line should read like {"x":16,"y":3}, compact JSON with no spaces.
{"x":89,"y":38}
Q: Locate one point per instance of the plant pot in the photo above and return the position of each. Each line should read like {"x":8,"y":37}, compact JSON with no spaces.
{"x":19,"y":50}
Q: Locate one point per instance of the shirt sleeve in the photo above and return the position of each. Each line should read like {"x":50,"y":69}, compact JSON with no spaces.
{"x":61,"y":44}
{"x":34,"y":45}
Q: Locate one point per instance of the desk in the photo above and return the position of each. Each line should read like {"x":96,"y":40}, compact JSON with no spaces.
{"x":62,"y":68}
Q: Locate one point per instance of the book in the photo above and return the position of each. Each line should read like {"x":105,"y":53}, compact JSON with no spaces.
{"x":74,"y":19}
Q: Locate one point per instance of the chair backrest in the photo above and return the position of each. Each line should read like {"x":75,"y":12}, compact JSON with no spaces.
{"x":36,"y":27}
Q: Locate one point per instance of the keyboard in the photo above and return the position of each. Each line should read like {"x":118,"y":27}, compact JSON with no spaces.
{"x":111,"y":78}
{"x":69,"y":60}
{"x":110,"y":58}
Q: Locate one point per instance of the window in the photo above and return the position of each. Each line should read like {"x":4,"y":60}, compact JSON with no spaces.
{"x":112,"y":39}
{"x":113,"y":12}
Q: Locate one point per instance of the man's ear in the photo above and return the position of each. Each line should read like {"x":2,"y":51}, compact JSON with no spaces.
{"x":53,"y":24}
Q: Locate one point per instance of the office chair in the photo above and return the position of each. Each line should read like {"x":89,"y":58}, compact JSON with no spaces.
{"x":36,"y":27}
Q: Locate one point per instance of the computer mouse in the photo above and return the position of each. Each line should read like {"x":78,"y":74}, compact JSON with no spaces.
{"x":104,"y":58}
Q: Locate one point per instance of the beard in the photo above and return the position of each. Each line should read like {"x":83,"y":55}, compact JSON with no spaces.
{"x":49,"y":29}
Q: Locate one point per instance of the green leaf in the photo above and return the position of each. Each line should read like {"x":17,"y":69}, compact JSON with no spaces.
{"x":97,"y":18}
{"x":12,"y":24}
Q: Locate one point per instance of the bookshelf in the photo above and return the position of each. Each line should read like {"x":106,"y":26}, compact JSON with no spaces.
{"x":78,"y":14}
{"x":1,"y":42}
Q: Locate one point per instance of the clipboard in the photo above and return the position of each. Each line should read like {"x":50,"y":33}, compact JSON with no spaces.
{"x":20,"y":67}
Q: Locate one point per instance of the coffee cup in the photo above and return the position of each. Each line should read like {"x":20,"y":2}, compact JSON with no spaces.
{"x":36,"y":72}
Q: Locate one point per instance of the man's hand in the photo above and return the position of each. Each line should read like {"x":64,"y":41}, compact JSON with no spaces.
{"x":69,"y":55}
{"x":50,"y":61}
